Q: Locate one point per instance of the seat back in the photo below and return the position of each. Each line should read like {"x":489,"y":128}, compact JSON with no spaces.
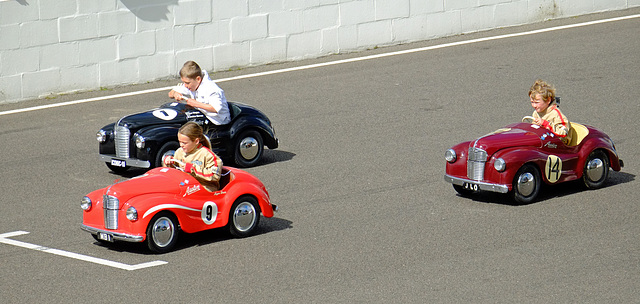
{"x":225,"y":177}
{"x":577,"y":132}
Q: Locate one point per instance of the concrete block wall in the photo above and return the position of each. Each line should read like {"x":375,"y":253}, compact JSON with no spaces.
{"x":51,"y":47}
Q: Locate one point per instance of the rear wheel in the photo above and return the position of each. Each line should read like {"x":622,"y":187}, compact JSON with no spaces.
{"x":162,"y":232}
{"x":244,"y":216}
{"x":596,"y":170}
{"x":526,"y":184}
{"x":248,"y":149}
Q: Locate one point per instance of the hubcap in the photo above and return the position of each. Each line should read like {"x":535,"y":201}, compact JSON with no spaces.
{"x":595,"y":169}
{"x":162,"y":231}
{"x":170,"y":152}
{"x":244,"y":216}
{"x":526,"y":184}
{"x":248,"y":148}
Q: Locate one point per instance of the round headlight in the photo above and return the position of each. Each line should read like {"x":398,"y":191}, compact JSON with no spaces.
{"x":139,"y":141}
{"x":132,"y":214}
{"x":499,"y":164}
{"x":85,"y":204}
{"x":450,"y":155}
{"x":101,"y":136}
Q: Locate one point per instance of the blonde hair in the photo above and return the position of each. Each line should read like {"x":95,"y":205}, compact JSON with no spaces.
{"x":194,"y":131}
{"x":190,"y":70}
{"x":546,"y":90}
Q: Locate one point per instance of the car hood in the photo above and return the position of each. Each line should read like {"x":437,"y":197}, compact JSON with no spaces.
{"x":159,"y":180}
{"x":517,"y":135}
{"x":169,"y":113}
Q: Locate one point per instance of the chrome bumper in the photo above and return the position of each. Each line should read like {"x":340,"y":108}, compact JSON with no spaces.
{"x":481,"y":185}
{"x":131,"y":162}
{"x":115,"y":235}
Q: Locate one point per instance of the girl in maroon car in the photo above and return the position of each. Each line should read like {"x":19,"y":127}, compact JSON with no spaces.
{"x":547,"y":114}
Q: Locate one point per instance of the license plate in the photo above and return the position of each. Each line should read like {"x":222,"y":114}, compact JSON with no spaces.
{"x":118,"y":163}
{"x":105,"y":237}
{"x":470,"y":186}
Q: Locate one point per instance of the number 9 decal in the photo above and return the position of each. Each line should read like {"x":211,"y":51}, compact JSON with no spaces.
{"x":209,"y":212}
{"x":553,"y":168}
{"x":165,"y":114}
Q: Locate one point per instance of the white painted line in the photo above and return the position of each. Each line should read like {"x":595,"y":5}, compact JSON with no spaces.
{"x":324,"y":64}
{"x":4,"y":238}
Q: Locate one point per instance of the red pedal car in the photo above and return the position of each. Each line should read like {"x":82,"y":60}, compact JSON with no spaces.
{"x":155,"y":206}
{"x":517,"y":159}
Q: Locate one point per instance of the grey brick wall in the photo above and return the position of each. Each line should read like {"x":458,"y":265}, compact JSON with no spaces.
{"x":50,"y":47}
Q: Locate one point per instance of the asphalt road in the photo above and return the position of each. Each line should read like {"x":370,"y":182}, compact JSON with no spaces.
{"x":365,"y":213}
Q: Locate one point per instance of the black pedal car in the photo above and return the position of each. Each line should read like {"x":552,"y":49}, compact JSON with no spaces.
{"x":141,"y":140}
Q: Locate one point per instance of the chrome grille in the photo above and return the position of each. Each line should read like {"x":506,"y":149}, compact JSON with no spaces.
{"x":111,"y":204}
{"x":122,"y":141}
{"x":475,"y":163}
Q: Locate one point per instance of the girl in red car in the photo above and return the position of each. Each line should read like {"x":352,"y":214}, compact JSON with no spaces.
{"x":195,"y":157}
{"x":547,"y":114}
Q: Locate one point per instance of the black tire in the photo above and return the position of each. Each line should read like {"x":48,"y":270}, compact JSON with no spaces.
{"x":166,"y":149}
{"x":162,"y":232}
{"x":596,"y":170}
{"x":248,"y":149}
{"x":526,"y":184}
{"x":118,"y":170}
{"x":244,"y":216}
{"x":462,"y":191}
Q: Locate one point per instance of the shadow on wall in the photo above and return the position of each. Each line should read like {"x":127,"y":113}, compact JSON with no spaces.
{"x":22,"y":2}
{"x":150,"y":10}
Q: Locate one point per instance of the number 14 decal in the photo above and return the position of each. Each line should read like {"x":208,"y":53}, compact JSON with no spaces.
{"x":553,"y":168}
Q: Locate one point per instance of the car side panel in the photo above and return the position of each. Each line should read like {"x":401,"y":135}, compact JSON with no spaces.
{"x":459,"y":167}
{"x":108,"y":147}
{"x":240,"y":188}
{"x":188,"y":209}
{"x":255,"y":122}
{"x":596,"y":143}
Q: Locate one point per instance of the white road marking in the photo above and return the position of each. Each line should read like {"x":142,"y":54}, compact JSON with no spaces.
{"x":324,"y":64}
{"x":4,"y":238}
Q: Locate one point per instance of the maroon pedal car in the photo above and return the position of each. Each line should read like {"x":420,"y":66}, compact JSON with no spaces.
{"x":518,"y":158}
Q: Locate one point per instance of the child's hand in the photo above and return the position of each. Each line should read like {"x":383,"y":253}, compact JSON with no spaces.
{"x":538,"y":121}
{"x":177,"y":96}
{"x":543,"y":123}
{"x":168,"y":160}
{"x":188,"y":167}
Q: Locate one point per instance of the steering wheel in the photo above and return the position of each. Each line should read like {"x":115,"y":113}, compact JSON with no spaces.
{"x":181,"y":167}
{"x":528,"y":119}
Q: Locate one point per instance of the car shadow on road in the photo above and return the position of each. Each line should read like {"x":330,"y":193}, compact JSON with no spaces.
{"x":203,"y":238}
{"x":276,"y":156}
{"x":551,"y":191}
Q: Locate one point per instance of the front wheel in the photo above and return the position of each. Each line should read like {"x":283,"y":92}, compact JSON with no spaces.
{"x":248,"y":149}
{"x":596,"y":170}
{"x":526,"y":184}
{"x":162,"y":232}
{"x":244,"y":216}
{"x":166,"y":149}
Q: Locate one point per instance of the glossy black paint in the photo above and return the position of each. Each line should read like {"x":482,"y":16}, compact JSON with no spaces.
{"x":160,"y":126}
